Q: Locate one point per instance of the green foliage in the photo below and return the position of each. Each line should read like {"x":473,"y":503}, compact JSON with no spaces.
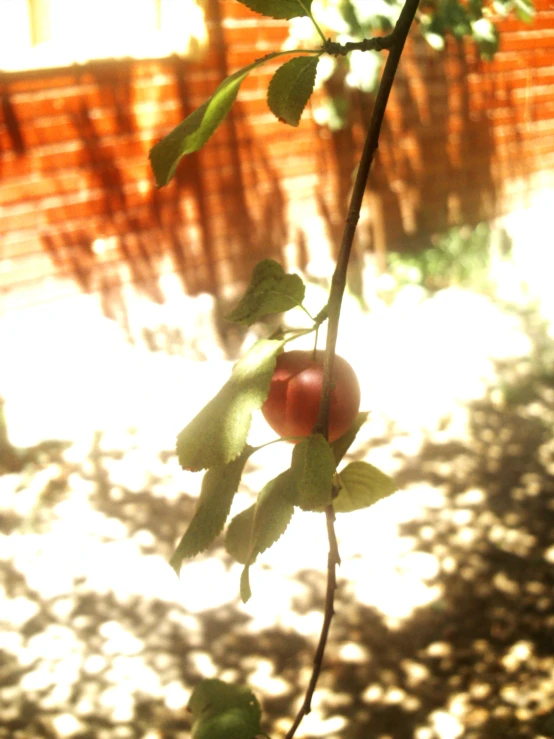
{"x":341,"y":445}
{"x":361,"y":486}
{"x":355,"y":20}
{"x":451,"y":16}
{"x":255,"y":529}
{"x":312,"y":470}
{"x":223,"y":711}
{"x":219,"y":486}
{"x":460,"y":256}
{"x":217,"y":435}
{"x":282,"y":9}
{"x":524,"y":9}
{"x":291,"y":88}
{"x":198,"y":127}
{"x":293,"y":83}
{"x":261,"y":525}
{"x":291,"y":91}
{"x":238,"y":537}
{"x":486,"y":37}
{"x":216,"y":440}
{"x":270,"y":291}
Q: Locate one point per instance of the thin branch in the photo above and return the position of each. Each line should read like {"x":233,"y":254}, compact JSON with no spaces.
{"x":338,"y":284}
{"x":308,"y":12}
{"x":378,"y":43}
{"x":333,"y":560}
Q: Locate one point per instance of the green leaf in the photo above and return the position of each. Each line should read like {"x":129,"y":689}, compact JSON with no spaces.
{"x":261,"y":525}
{"x":270,"y":291}
{"x":216,"y":496}
{"x":290,"y":88}
{"x":486,"y":37}
{"x":456,"y":18}
{"x":217,"y":435}
{"x":312,"y":470}
{"x":525,"y":10}
{"x":273,"y":512}
{"x":238,"y":537}
{"x":341,"y":445}
{"x":362,"y":485}
{"x":245,"y":589}
{"x":196,"y":129}
{"x":282,"y":9}
{"x":223,"y":711}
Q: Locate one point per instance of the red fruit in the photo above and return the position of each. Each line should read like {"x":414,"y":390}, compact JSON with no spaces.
{"x":292,"y":406}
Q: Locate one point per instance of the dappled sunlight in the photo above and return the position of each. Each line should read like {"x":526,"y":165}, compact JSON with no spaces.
{"x":445,"y":610}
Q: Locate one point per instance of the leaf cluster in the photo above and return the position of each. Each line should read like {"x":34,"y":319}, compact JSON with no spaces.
{"x":459,"y":256}
{"x":288,"y":94}
{"x":216,"y":441}
{"x":356,"y":20}
{"x":293,"y":82}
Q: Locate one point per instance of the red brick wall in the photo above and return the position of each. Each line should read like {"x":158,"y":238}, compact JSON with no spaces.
{"x":463,"y":140}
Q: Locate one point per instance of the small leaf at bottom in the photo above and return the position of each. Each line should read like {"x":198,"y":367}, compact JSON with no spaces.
{"x":224,"y":711}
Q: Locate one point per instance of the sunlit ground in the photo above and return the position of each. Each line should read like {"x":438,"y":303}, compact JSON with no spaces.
{"x":445,"y":620}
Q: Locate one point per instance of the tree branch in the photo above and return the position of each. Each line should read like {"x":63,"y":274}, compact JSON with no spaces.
{"x":338,"y":284}
{"x":333,"y":560}
{"x":378,"y":43}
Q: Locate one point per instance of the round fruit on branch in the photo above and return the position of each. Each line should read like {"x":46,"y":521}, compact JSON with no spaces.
{"x":292,"y":406}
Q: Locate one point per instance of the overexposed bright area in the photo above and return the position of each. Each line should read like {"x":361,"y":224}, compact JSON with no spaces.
{"x":38,"y":34}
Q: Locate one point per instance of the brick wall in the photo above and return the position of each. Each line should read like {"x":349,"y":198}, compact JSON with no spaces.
{"x":463,"y":140}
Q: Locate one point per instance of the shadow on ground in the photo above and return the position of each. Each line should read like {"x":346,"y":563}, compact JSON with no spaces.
{"x":96,"y":642}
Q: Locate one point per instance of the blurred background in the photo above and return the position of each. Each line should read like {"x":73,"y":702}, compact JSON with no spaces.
{"x":112,"y":338}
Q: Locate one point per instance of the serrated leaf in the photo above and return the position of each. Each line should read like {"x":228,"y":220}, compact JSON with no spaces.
{"x":192,"y":133}
{"x":341,"y":445}
{"x":362,"y":485}
{"x":223,"y":711}
{"x":271,"y":290}
{"x":214,"y":503}
{"x":238,"y":537}
{"x":312,"y":470}
{"x":272,"y":514}
{"x":217,"y":435}
{"x":290,"y":88}
{"x":268,"y":520}
{"x":282,"y":9}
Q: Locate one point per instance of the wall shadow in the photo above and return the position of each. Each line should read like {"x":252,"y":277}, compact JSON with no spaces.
{"x":224,"y":211}
{"x":437,"y":164}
